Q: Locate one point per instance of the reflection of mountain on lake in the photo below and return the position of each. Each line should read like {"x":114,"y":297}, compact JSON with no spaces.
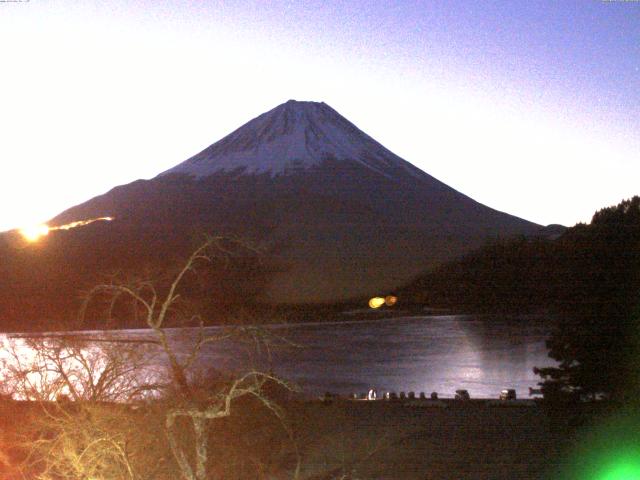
{"x":482,"y":354}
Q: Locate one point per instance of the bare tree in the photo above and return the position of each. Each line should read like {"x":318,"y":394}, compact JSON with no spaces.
{"x":49,"y":368}
{"x":196,"y":405}
{"x":79,"y":421}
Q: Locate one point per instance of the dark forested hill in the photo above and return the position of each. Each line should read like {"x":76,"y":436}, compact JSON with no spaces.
{"x":581,"y":269}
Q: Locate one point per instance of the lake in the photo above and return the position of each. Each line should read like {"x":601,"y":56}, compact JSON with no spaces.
{"x":482,"y":354}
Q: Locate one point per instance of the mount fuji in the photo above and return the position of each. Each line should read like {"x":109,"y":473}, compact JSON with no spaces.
{"x":295,"y":136}
{"x":344,"y":217}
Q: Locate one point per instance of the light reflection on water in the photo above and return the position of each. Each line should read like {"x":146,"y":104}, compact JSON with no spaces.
{"x":481,"y":354}
{"x":444,"y":353}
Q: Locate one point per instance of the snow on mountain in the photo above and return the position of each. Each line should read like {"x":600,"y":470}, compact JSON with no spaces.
{"x":294,"y":136}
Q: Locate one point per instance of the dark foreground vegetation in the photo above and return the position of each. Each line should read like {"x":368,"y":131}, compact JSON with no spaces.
{"x":342,"y":440}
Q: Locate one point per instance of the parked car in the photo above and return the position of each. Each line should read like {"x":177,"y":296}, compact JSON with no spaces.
{"x":462,"y":395}
{"x":508,"y":394}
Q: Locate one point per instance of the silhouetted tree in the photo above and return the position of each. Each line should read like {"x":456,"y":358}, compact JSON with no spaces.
{"x":596,"y":339}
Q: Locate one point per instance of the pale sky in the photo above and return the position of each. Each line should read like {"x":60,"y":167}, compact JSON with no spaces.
{"x":530,"y":107}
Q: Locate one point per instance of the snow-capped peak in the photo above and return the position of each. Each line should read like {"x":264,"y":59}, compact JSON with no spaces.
{"x":295,"y":135}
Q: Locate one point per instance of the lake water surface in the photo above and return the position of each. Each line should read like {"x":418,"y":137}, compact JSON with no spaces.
{"x":482,"y":354}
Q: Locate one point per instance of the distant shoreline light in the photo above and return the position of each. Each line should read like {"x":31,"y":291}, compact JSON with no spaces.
{"x":377,"y":302}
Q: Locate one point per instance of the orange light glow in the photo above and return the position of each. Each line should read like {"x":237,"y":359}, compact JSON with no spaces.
{"x":36,"y":232}
{"x":390,"y":300}
{"x":81,"y":223}
{"x":33,"y":233}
